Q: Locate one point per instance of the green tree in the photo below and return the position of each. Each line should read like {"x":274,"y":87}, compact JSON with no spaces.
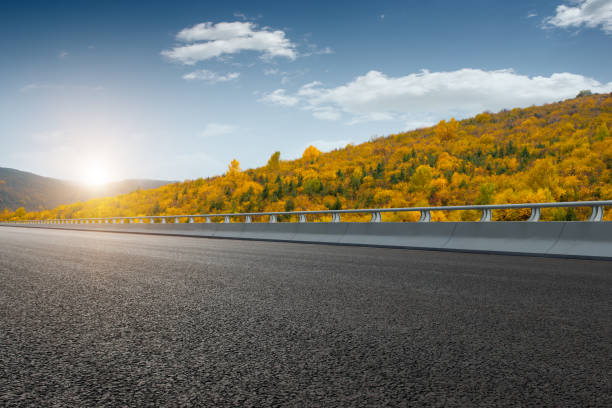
{"x":485,"y":196}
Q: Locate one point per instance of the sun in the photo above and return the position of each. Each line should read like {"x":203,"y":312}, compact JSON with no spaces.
{"x":95,"y":173}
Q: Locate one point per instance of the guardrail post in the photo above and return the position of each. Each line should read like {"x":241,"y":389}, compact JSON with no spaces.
{"x":376,"y":217}
{"x":486,"y":215}
{"x":208,"y":221}
{"x":596,"y":213}
{"x":335,"y":217}
{"x":226,"y":219}
{"x":163,"y":220}
{"x":176,"y":220}
{"x":151,"y":220}
{"x":425,"y":216}
{"x":247,"y":219}
{"x":272,"y":219}
{"x":535,"y":215}
{"x":302,"y":218}
{"x":191,"y":221}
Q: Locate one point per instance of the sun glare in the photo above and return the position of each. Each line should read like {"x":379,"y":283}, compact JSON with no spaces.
{"x":95,"y":174}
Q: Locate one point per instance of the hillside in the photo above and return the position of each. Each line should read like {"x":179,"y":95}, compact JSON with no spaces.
{"x":34,"y":192}
{"x":556,"y":152}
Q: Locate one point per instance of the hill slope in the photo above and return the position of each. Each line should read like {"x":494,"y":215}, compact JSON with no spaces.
{"x":34,"y":192}
{"x":556,"y":152}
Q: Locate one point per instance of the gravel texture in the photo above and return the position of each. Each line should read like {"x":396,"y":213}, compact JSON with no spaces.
{"x":103,"y":319}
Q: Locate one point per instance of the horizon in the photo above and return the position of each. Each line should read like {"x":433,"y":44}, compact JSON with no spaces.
{"x":169,"y":94}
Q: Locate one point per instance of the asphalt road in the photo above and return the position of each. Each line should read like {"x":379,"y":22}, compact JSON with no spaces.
{"x":103,"y":319}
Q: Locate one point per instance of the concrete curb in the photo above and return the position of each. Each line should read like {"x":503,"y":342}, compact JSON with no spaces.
{"x":592,"y":240}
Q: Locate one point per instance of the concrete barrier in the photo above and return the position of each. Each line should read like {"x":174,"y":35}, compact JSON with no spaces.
{"x":432,"y":235}
{"x":562,"y":239}
{"x":516,"y":237}
{"x":591,"y":239}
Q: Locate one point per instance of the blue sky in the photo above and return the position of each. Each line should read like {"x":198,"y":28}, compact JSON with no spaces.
{"x":175,"y":90}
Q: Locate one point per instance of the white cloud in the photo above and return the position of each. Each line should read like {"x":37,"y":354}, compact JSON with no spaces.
{"x":241,"y":16}
{"x":279,"y":97}
{"x":244,"y":17}
{"x":285,"y":76}
{"x":532,"y":14}
{"x":217,"y":129}
{"x":435,"y":95}
{"x":271,"y":71}
{"x":313,"y":49}
{"x":34,"y":87}
{"x":210,"y":76}
{"x":589,"y":13}
{"x":62,"y":54}
{"x":208,"y":40}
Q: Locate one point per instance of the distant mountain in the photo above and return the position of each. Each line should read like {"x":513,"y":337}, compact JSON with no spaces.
{"x":34,"y":192}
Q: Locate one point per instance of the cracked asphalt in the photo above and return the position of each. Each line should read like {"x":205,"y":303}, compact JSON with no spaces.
{"x":103,"y":319}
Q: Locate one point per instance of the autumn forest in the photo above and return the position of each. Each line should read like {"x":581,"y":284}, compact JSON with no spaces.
{"x":556,"y":152}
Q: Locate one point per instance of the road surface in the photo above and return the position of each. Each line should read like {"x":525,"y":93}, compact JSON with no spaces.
{"x":106,"y":319}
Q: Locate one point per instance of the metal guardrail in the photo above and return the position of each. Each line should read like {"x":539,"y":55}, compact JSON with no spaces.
{"x":597,"y":211}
